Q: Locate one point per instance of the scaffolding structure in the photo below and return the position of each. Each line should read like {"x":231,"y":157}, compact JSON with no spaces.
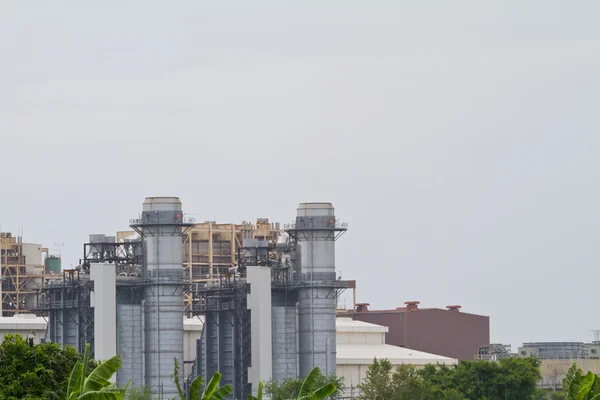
{"x":212,"y":250}
{"x":494,"y":352}
{"x":17,"y":277}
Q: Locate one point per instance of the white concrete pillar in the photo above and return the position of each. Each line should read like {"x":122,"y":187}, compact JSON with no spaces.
{"x":259,"y":303}
{"x":104,"y":301}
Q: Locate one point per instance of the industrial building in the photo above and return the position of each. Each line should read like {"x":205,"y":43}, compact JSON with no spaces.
{"x":24,"y":325}
{"x":252,"y":301}
{"x":446,"y":332}
{"x":275,"y":316}
{"x":24,"y":268}
{"x":359,"y":342}
{"x":557,"y":357}
{"x":268,"y":305}
{"x":212,"y":249}
{"x":559,"y":350}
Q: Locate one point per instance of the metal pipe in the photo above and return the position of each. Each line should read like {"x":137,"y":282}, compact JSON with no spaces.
{"x":144,"y":340}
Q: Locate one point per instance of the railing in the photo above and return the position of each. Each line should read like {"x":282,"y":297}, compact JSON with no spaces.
{"x":307,"y":225}
{"x":162,"y":221}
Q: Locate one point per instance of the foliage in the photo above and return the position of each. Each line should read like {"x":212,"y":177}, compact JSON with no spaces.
{"x":38,"y":372}
{"x":577,"y":386}
{"x":176,"y":379}
{"x":259,"y":394}
{"x":378,"y":381}
{"x":542,"y":394}
{"x":96,"y":384}
{"x":138,"y":393}
{"x":510,"y":378}
{"x":405,"y":382}
{"x":211,"y":392}
{"x":315,"y":386}
{"x":556,"y":396}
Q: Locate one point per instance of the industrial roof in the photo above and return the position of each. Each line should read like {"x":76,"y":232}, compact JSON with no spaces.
{"x":23,"y":322}
{"x":344,"y":324}
{"x":193,"y":324}
{"x":365,"y":353}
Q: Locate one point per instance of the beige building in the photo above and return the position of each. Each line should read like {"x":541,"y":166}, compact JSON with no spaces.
{"x":358,"y":343}
{"x":211,"y":249}
{"x":554,"y":371}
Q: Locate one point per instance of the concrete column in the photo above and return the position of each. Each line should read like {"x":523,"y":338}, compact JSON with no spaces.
{"x":104,"y":302}
{"x":259,"y":303}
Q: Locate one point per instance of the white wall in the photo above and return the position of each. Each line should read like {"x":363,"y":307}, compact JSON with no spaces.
{"x":360,"y":338}
{"x":22,"y":324}
{"x":104,"y":301}
{"x":366,"y":341}
{"x":192,"y":331}
{"x":259,"y":303}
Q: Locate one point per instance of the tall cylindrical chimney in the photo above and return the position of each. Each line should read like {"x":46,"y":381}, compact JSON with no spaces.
{"x":161,"y":226}
{"x":315,"y":231}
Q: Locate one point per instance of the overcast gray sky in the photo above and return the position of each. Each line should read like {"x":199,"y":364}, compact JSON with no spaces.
{"x":459,"y":140}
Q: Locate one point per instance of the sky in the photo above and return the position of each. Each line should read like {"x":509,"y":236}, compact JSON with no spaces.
{"x":459,"y":140}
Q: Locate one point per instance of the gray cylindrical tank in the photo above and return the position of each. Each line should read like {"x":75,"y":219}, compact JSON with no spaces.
{"x":129,"y":344}
{"x":284,"y":342}
{"x":315,"y":227}
{"x":161,"y":224}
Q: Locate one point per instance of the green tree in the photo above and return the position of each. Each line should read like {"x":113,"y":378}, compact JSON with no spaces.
{"x":314,"y":386}
{"x":577,"y":386}
{"x":96,"y":385}
{"x":259,"y":394}
{"x":138,"y":393}
{"x":403,"y":383}
{"x":34,"y":373}
{"x":377,"y":384}
{"x":556,"y":396}
{"x":211,"y":392}
{"x":509,"y":378}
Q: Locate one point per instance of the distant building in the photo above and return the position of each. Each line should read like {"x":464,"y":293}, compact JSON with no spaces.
{"x":358,"y":343}
{"x":24,"y":325}
{"x":555,"y":350}
{"x":446,"y":332}
{"x":557,"y":357}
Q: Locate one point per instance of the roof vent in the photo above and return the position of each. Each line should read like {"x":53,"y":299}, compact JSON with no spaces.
{"x":453,"y":308}
{"x":362,"y":307}
{"x":412,"y":305}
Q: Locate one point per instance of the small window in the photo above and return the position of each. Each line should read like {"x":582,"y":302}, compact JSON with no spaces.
{"x":594,"y":351}
{"x":523,"y":353}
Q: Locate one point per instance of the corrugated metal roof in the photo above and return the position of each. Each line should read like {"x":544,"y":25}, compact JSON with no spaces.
{"x":349,"y":325}
{"x":365,"y":353}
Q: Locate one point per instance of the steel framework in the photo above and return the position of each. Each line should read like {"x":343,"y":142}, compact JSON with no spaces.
{"x":14,"y":275}
{"x":66,"y":301}
{"x":225,"y":309}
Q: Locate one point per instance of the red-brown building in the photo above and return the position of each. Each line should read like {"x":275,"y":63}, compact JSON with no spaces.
{"x":446,"y":332}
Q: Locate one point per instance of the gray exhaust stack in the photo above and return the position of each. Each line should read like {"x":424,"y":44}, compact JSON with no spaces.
{"x":316,"y":231}
{"x":161,"y":226}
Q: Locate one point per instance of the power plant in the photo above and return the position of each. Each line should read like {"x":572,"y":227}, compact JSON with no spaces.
{"x":251,"y":301}
{"x":268,"y":313}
